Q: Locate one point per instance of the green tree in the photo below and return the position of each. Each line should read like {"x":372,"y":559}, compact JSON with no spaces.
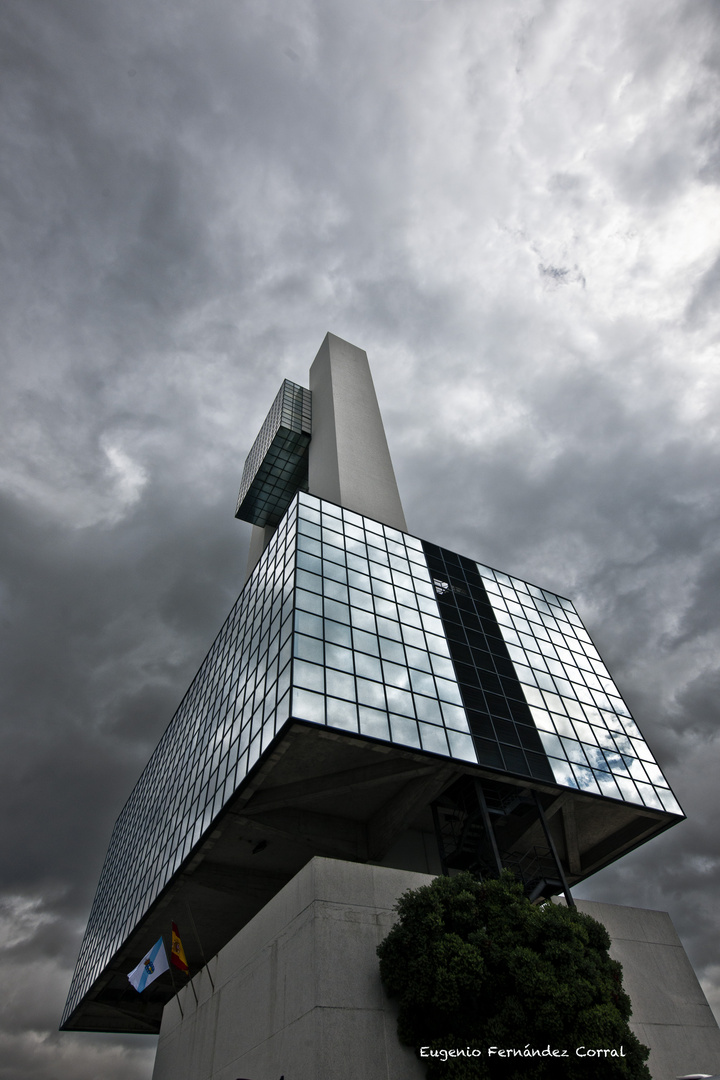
{"x":475,"y":965}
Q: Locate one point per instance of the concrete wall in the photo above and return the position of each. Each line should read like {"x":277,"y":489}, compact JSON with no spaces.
{"x":670,"y":1014}
{"x":297,"y":992}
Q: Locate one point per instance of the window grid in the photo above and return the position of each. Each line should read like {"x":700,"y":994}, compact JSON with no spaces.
{"x":276,"y":466}
{"x":505,"y":735}
{"x":370,"y":653}
{"x":216,"y":735}
{"x":589,"y":735}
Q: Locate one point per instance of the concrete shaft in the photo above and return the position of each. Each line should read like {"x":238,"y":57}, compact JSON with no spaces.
{"x":349,"y":457}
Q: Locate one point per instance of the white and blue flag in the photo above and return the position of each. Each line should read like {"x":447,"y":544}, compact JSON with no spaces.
{"x":153,"y":964}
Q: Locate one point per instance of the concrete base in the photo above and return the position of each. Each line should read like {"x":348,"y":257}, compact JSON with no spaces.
{"x":297,"y":992}
{"x":670,"y":1013}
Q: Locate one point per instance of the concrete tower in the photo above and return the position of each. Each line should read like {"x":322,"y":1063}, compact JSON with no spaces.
{"x":375,"y":709}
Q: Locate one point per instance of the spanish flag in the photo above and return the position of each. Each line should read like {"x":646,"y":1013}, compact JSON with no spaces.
{"x":177,"y":953}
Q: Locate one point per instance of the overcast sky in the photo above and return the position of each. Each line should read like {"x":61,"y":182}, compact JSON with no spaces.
{"x":512,"y":207}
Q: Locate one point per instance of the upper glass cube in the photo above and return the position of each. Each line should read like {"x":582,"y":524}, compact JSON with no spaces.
{"x":350,"y":625}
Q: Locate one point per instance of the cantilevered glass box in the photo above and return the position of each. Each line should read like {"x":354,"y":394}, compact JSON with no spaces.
{"x":364,"y":682}
{"x":277,"y":465}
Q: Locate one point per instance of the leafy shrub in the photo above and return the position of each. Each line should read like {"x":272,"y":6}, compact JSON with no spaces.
{"x":475,"y":965}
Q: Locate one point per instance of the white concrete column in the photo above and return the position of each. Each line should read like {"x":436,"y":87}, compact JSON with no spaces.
{"x":259,"y":539}
{"x":349,"y":458}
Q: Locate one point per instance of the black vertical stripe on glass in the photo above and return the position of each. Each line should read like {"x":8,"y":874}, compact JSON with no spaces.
{"x":502,"y":726}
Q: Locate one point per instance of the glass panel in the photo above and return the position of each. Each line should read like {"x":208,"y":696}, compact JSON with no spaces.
{"x":607,"y":785}
{"x":461,"y":746}
{"x":368,"y":666}
{"x":364,"y":642}
{"x":543,"y":680}
{"x":335,"y":590}
{"x":389,"y":629}
{"x":418,"y":658}
{"x":308,"y":528}
{"x":340,"y":684}
{"x":584,"y":732}
{"x":339,"y":657}
{"x":332,"y":539}
{"x":438,"y":646}
{"x":574,"y":751}
{"x":635,"y":769}
{"x":399,"y":701}
{"x":308,"y":648}
{"x":337,"y":633}
{"x":310,"y":676}
{"x":422,"y":683}
{"x":428,"y":709}
{"x":443,"y":667}
{"x":342,"y":714}
{"x":627,"y":789}
{"x":371,"y":693}
{"x":448,"y":691}
{"x":669,"y":801}
{"x":404,"y":730}
{"x":308,"y":706}
{"x":542,"y":719}
{"x":433,"y":739}
{"x":363,"y":619}
{"x":359,"y":581}
{"x":554,"y":702}
{"x":563,"y":726}
{"x":616,"y":763}
{"x":385,"y":608}
{"x":308,"y":601}
{"x":405,"y":597}
{"x":334,"y":571}
{"x":358,"y":565}
{"x":552,"y":744}
{"x":641,"y":750}
{"x":595,"y":757}
{"x":309,"y":562}
{"x":654,"y":774}
{"x":649,"y":796}
{"x":454,"y":716}
{"x":333,"y":554}
{"x":306,"y":543}
{"x":410,"y":617}
{"x":339,"y":612}
{"x":396,"y":675}
{"x":586,"y":780}
{"x":312,"y":582}
{"x":534,"y":697}
{"x":392,"y":650}
{"x":562,"y":771}
{"x":374,"y":723}
{"x":356,"y":547}
{"x":432,"y":624}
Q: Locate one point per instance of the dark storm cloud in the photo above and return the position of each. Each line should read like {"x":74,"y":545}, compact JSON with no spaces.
{"x":192,"y":195}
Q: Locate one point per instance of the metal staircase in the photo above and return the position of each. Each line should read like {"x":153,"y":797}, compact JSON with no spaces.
{"x":477,"y":827}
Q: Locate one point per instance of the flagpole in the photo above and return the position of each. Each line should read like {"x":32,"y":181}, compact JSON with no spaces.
{"x":197,"y":938}
{"x":172,"y":977}
{"x":192,"y":987}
